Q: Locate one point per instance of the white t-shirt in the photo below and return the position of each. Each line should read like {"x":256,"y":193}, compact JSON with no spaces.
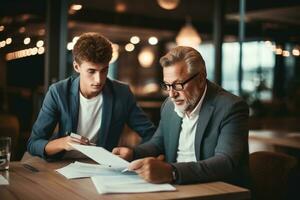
{"x":89,"y":117}
{"x":89,"y":121}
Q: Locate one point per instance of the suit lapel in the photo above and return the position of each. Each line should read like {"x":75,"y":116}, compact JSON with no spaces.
{"x":74,"y":102}
{"x":175,"y":128}
{"x":108,"y":100}
{"x":204,"y":117}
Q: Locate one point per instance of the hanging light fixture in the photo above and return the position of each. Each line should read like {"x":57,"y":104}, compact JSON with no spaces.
{"x":146,"y":57}
{"x":168,"y":4}
{"x":188,"y":36}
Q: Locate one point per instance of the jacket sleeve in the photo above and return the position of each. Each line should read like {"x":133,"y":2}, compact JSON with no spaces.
{"x":138,"y":120}
{"x":155,"y":146}
{"x":44,"y":125}
{"x":231,"y":150}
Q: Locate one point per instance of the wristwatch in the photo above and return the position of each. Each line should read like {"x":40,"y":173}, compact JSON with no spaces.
{"x":174,"y":174}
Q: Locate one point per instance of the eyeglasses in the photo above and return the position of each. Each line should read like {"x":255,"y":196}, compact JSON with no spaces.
{"x":177,"y":86}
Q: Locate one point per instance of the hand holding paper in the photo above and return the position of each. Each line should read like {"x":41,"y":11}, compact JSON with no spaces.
{"x":102,"y":156}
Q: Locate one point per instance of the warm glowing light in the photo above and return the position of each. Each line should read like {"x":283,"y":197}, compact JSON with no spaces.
{"x":22,"y":29}
{"x":120,"y":7}
{"x":188,"y":36}
{"x":2,"y":28}
{"x":151,"y":88}
{"x":278,"y":51}
{"x":296,"y":52}
{"x":146,"y":57}
{"x":2,"y":44}
{"x":168,"y":4}
{"x":129,"y":47}
{"x":40,"y":43}
{"x":153,"y":40}
{"x":268,"y":43}
{"x":76,"y":7}
{"x":70,"y":46}
{"x":27,"y":40}
{"x":285,"y":53}
{"x":115,"y":53}
{"x":8,"y":40}
{"x":41,"y":32}
{"x":34,"y":51}
{"x":41,"y":50}
{"x":74,"y":40}
{"x":134,"y":39}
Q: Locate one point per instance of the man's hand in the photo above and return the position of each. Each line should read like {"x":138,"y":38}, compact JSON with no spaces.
{"x":123,"y":152}
{"x":153,"y":170}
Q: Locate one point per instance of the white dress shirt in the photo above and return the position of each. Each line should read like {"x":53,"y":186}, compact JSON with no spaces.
{"x":186,"y":145}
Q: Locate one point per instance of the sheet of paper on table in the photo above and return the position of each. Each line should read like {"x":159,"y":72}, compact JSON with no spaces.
{"x":3,"y":181}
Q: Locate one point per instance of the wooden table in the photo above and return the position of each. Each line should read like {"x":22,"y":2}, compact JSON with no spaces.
{"x":48,"y":184}
{"x":278,"y":138}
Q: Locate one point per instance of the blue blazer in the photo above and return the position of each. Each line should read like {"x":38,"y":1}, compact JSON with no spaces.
{"x":221,"y":141}
{"x":61,"y":106}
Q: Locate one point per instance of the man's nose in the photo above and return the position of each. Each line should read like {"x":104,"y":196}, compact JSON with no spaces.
{"x":97,"y":77}
{"x":173,"y":93}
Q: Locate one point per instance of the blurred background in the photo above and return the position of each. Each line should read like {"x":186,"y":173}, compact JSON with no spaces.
{"x":251,"y":48}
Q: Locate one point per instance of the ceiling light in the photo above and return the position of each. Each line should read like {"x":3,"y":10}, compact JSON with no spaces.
{"x":22,"y":29}
{"x":134,"y":39}
{"x":70,"y":46}
{"x":40,"y":43}
{"x":26,"y":40}
{"x":120,"y":6}
{"x":168,"y":4}
{"x":296,"y":52}
{"x":285,"y":53}
{"x":2,"y":44}
{"x":278,"y":51}
{"x":129,"y":47}
{"x":41,"y":50}
{"x":146,"y":57}
{"x":153,"y":40}
{"x":8,"y":40}
{"x":188,"y":36}
{"x":76,"y":7}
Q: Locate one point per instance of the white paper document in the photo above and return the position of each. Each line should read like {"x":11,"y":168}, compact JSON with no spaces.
{"x":83,"y":170}
{"x":102,"y":156}
{"x":108,"y":176}
{"x":127,"y":184}
{"x":3,"y":181}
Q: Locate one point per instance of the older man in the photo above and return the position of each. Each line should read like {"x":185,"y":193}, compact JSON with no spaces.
{"x":203,"y":131}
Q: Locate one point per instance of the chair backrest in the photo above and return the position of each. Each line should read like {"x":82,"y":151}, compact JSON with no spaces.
{"x":9,"y":126}
{"x":270,"y":173}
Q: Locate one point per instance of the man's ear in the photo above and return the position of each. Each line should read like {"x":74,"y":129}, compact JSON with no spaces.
{"x":76,"y":66}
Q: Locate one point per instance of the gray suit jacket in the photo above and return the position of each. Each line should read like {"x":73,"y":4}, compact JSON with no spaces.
{"x":221,"y":141}
{"x":61,"y":106}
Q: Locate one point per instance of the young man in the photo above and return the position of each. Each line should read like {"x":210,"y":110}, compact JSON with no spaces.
{"x":203,"y":129}
{"x":90,"y":105}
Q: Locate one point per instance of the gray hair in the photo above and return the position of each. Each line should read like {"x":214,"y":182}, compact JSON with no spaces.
{"x":190,"y":56}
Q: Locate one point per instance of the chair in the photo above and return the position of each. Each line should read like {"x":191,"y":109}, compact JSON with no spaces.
{"x":270,"y":173}
{"x":9,"y":127}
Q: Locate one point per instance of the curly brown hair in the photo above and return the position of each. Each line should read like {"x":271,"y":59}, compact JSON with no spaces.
{"x":92,"y":47}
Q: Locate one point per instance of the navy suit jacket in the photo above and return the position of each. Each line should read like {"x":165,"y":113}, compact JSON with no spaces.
{"x":61,"y":106}
{"x":221,"y":141}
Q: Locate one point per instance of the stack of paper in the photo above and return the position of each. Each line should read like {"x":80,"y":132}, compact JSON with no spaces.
{"x":3,"y":181}
{"x":83,"y":170}
{"x":127,"y":184}
{"x":108,"y":177}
